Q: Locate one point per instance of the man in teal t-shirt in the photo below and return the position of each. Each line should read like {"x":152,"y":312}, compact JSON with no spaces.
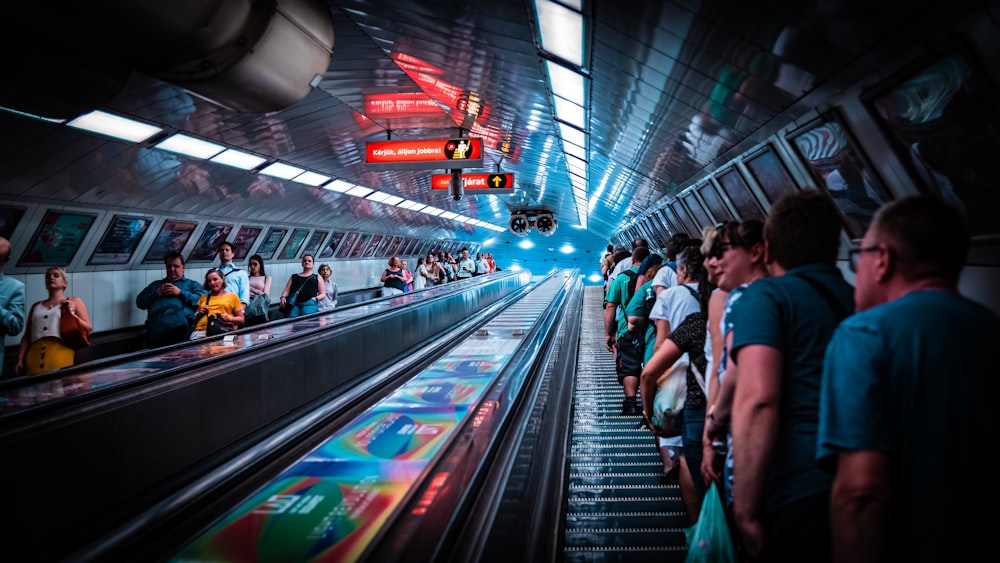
{"x":628,"y":359}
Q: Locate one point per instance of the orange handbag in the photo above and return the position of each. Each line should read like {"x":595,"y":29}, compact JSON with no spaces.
{"x":71,"y":331}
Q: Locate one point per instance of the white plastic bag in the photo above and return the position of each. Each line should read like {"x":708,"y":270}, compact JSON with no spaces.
{"x":668,"y":404}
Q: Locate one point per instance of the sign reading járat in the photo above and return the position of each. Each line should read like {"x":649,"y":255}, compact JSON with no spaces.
{"x":497,"y":184}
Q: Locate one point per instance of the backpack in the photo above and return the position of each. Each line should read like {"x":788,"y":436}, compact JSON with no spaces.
{"x":630,"y":291}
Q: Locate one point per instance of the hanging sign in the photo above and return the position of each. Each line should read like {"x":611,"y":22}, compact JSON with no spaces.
{"x":494,"y":184}
{"x":433,"y":153}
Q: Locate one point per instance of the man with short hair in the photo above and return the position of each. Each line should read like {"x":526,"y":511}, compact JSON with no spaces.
{"x":628,"y":358}
{"x":909,"y":388}
{"x":172,"y":303}
{"x":11,"y":300}
{"x":237,"y":280}
{"x":780,"y":328}
{"x":466,"y":266}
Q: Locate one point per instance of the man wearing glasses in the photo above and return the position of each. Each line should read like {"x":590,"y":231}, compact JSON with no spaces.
{"x":909,"y":393}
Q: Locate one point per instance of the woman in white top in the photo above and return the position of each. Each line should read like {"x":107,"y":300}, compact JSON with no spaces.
{"x":260,"y":284}
{"x":421,"y":275}
{"x":329,"y":302}
{"x":42,"y":348}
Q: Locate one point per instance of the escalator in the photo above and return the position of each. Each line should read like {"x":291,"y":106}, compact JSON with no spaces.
{"x":616,"y":507}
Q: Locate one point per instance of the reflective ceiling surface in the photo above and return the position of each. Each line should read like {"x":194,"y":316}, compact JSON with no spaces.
{"x":676,"y":88}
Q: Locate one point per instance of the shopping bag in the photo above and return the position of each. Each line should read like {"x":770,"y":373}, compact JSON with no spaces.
{"x":708,"y":541}
{"x":668,"y":403}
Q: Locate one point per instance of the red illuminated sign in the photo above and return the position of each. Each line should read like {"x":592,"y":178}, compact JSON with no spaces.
{"x":400,"y":105}
{"x":475,"y":181}
{"x":434,"y":153}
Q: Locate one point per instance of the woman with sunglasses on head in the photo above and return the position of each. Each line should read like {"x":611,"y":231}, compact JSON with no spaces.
{"x":42,"y":348}
{"x":737,"y":259}
{"x":260,"y":289}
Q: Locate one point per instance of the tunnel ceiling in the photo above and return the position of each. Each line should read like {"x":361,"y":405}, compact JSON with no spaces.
{"x":675,"y":89}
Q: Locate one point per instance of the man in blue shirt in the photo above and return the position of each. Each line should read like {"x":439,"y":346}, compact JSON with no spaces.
{"x":780,"y":328}
{"x":11,"y":301}
{"x":237,"y":280}
{"x":909,"y":388}
{"x":171,"y":302}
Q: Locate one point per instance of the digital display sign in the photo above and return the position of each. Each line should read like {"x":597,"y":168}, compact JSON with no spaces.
{"x":433,"y":153}
{"x":489,"y":182}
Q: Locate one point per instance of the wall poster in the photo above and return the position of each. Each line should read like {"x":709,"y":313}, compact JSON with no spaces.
{"x":270,"y":244}
{"x":312,"y":247}
{"x":208,"y":243}
{"x":9,"y":219}
{"x":709,"y":192}
{"x":173,"y":236}
{"x":57,"y":239}
{"x":736,"y":187}
{"x":244,"y":242}
{"x":331,"y":245}
{"x":839,"y":169}
{"x":293,"y":244}
{"x":120,"y":240}
{"x":770,"y":173}
{"x":350,"y":240}
{"x":944,"y":121}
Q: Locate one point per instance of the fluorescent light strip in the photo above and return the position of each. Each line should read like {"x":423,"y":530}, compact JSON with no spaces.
{"x":377,"y":196}
{"x":561,"y":30}
{"x":339,"y":185}
{"x":392,"y":200}
{"x":33,"y":116}
{"x":190,"y":146}
{"x":238,"y":159}
{"x":281,"y":170}
{"x":573,"y":150}
{"x":432,"y":211}
{"x":572,"y":135}
{"x":115,"y":126}
{"x":311,"y":178}
{"x":448,"y":215}
{"x":359,"y":191}
{"x":566,"y":83}
{"x":569,"y":112}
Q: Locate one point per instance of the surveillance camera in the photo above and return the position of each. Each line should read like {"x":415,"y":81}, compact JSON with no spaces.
{"x":456,"y":197}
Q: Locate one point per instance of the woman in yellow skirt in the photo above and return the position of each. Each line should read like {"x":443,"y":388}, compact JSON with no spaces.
{"x":42,"y":348}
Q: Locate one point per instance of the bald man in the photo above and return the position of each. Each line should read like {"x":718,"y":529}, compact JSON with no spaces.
{"x":11,"y":300}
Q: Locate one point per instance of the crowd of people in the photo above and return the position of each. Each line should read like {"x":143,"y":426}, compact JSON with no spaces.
{"x":180,"y":309}
{"x":822,"y":412}
{"x":434,"y":269}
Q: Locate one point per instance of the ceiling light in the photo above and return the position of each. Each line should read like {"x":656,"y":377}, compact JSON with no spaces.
{"x":115,"y":126}
{"x":574,"y":150}
{"x":281,"y":170}
{"x":392,"y":200}
{"x":311,"y":179}
{"x":448,"y":215}
{"x":561,"y":29}
{"x":432,"y":211}
{"x":526,"y":244}
{"x":566,"y":83}
{"x":566,"y":248}
{"x":339,"y":185}
{"x":359,"y":191}
{"x":569,"y":112}
{"x":377,"y":196}
{"x":189,"y":146}
{"x":572,"y":135}
{"x":238,"y":159}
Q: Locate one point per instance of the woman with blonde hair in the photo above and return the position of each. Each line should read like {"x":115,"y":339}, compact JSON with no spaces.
{"x":217,"y":302}
{"x":42,"y":348}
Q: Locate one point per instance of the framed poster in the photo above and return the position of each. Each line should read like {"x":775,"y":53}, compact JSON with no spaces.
{"x":687,"y":225}
{"x":374,"y":246}
{"x":208,"y":243}
{"x":293,"y":244}
{"x":120,"y":240}
{"x":709,"y":193}
{"x":360,"y":248}
{"x":698,"y":212}
{"x":173,"y":236}
{"x":331,"y":245}
{"x":9,"y":219}
{"x":244,"y":242}
{"x":57,"y":239}
{"x":350,"y":240}
{"x":735,"y":186}
{"x":270,"y":243}
{"x":943,"y":119}
{"x":838,"y":168}
{"x":312,"y":247}
{"x":770,"y":173}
